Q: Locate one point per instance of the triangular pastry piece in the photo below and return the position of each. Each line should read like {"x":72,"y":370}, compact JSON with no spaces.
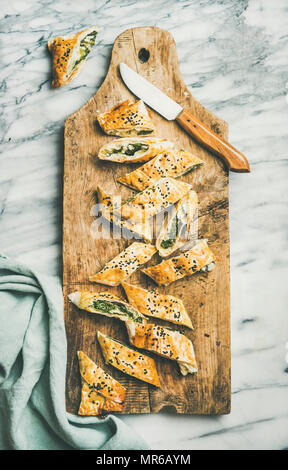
{"x":127,"y":119}
{"x":69,"y":54}
{"x":100,"y":392}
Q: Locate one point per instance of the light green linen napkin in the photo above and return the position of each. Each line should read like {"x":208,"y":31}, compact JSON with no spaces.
{"x":32,"y":371}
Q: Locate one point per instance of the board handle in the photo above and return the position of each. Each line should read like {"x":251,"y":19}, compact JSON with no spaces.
{"x":234,"y":159}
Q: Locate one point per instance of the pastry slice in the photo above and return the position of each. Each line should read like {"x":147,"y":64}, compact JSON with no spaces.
{"x":128,"y":360}
{"x":200,"y":257}
{"x":164,"y":342}
{"x":153,"y":200}
{"x":177,"y":229}
{"x":108,"y":204}
{"x":123,"y":265}
{"x":100,"y":392}
{"x":156,"y":305}
{"x":127,"y":119}
{"x":69,"y":54}
{"x":134,"y":149}
{"x":106,"y":304}
{"x":168,"y":163}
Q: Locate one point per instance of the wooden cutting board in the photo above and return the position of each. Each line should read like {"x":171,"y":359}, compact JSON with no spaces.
{"x":206,"y":296}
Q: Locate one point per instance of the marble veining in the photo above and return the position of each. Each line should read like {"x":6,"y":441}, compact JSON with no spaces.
{"x":233,"y":57}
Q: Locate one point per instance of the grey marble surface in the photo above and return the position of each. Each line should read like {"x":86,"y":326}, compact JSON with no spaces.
{"x":233,"y":56}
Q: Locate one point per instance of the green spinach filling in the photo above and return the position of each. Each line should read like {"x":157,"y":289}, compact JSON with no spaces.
{"x":173,"y":232}
{"x":133,"y":148}
{"x":85,"y":46}
{"x":192,"y":167}
{"x":130,"y":150}
{"x":145,"y":132}
{"x":165,"y":244}
{"x":114,"y":308}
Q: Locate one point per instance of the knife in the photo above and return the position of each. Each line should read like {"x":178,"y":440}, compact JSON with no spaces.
{"x":171,"y":110}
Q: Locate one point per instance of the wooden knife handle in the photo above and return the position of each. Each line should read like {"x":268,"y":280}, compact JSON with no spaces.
{"x":234,"y":160}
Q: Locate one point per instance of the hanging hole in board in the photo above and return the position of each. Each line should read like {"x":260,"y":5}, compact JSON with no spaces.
{"x":143,"y":55}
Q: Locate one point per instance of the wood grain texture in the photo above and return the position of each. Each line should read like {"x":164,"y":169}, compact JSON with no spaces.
{"x":206,"y":296}
{"x":234,"y":159}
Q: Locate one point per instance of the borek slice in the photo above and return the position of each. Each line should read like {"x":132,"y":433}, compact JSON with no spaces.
{"x":109,"y":203}
{"x":164,"y":342}
{"x":153,"y":200}
{"x":127,"y":119}
{"x":155,"y":305}
{"x":134,"y":149}
{"x":168,"y":163}
{"x":177,"y":229}
{"x":123,"y":265}
{"x":69,"y":54}
{"x":128,"y":360}
{"x":200,"y":257}
{"x":104,"y":303}
{"x":100,"y":392}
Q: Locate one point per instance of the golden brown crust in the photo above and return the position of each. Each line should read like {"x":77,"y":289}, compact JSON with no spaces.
{"x":164,"y":342}
{"x":127,"y":360}
{"x":185,"y":210}
{"x":178,"y":267}
{"x":124,"y":264}
{"x":109,"y":204}
{"x":126,"y":119}
{"x":154,"y":144}
{"x":168,"y":163}
{"x":100,"y":392}
{"x":153,"y":200}
{"x":152,"y":304}
{"x":94,"y":404}
{"x":62,"y":49}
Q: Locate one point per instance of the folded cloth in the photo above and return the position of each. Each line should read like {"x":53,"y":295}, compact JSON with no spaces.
{"x":32,"y":371}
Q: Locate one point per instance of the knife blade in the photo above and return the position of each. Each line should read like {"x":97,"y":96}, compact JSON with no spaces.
{"x":152,"y":96}
{"x":171,"y":110}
